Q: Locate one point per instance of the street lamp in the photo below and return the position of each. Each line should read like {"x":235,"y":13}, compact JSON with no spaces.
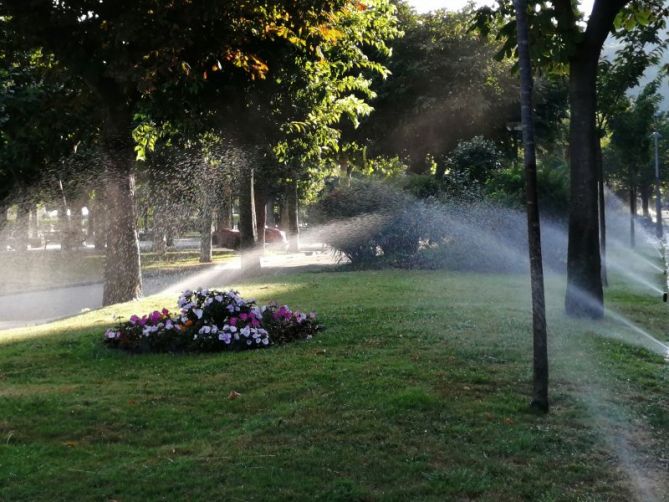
{"x":658,"y":202}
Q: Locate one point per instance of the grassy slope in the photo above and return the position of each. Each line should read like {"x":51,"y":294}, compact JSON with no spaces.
{"x":418,"y":389}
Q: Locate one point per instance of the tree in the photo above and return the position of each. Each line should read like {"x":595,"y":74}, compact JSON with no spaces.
{"x":446,"y":86}
{"x":561,"y":38}
{"x":124,"y":50}
{"x":631,"y":129}
{"x":540,"y":380}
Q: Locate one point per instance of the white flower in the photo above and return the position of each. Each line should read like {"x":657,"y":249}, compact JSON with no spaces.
{"x":245,"y":331}
{"x":198,"y":313}
{"x":204,"y":329}
{"x":169,"y":324}
{"x":265,"y":341}
{"x":218,"y":298}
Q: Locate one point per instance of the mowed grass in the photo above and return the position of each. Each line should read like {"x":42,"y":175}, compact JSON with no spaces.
{"x":418,"y":389}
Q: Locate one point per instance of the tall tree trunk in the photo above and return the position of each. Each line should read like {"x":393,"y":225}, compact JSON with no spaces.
{"x":248,"y":232}
{"x":644,"y":191}
{"x":602,"y":208}
{"x":632,"y":216}
{"x":22,"y":228}
{"x":206,"y":223}
{"x":585,"y":297}
{"x":284,"y":219}
{"x":293,"y":218}
{"x":225,"y":219}
{"x":123,"y":276}
{"x":33,"y":233}
{"x":540,"y":344}
{"x":260,"y":201}
{"x":159,"y":231}
{"x":99,"y":221}
{"x":76,"y":225}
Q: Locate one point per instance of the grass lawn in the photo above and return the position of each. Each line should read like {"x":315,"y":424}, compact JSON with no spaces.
{"x":47,"y":269}
{"x":419,"y":389}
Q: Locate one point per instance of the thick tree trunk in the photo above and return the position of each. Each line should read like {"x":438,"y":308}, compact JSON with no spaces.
{"x":260,"y":201}
{"x":206,"y":222}
{"x":602,"y":208}
{"x":248,"y":233}
{"x":293,"y":218}
{"x":123,"y":276}
{"x":540,"y":343}
{"x":584,"y":296}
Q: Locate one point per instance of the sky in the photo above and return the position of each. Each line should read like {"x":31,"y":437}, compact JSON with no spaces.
{"x":427,"y":5}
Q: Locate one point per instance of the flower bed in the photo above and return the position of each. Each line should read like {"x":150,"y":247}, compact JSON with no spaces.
{"x":211,"y":321}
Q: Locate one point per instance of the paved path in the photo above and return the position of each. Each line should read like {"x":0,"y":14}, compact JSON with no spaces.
{"x":39,"y":307}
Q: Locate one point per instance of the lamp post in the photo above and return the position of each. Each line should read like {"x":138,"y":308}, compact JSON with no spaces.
{"x":658,"y":202}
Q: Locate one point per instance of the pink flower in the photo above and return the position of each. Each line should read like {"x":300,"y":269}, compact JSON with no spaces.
{"x":233,"y":321}
{"x":243,"y":316}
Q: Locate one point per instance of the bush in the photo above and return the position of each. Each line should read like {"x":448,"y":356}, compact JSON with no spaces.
{"x":508,"y":187}
{"x":477,"y":158}
{"x":367,"y":219}
{"x":211,"y":321}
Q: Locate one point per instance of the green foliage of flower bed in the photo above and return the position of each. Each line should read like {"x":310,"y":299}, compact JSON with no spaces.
{"x":212,"y":321}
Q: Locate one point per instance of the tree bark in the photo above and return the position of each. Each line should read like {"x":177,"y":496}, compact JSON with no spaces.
{"x":33,"y":233}
{"x":602,"y":209}
{"x":99,"y":221}
{"x":540,"y":344}
{"x":585,"y":297}
{"x":123,"y":276}
{"x":293,"y":218}
{"x":632,"y":216}
{"x":22,"y":228}
{"x":260,"y":201}
{"x":248,"y":232}
{"x":225,"y":219}
{"x":206,"y":222}
{"x":159,"y":231}
{"x":644,"y":191}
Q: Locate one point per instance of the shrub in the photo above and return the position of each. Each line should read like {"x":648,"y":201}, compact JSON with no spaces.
{"x":508,"y":187}
{"x":210,"y":321}
{"x":477,"y":158}
{"x":368,"y":218}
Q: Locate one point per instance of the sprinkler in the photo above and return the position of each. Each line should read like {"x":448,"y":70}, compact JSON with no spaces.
{"x":664,"y":297}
